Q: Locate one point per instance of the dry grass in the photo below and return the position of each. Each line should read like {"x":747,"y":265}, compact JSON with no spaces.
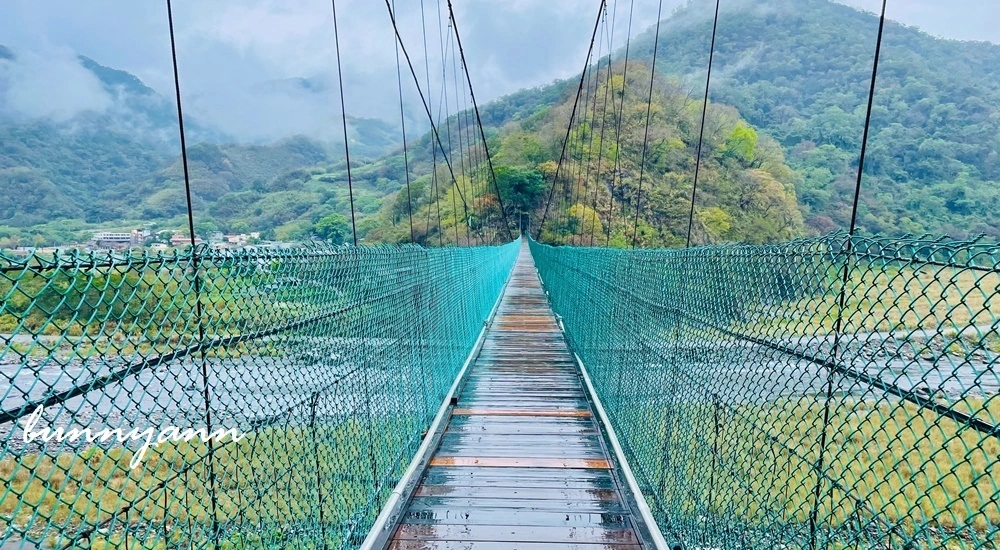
{"x":268,"y":478}
{"x":911,"y":467}
{"x":886,"y":300}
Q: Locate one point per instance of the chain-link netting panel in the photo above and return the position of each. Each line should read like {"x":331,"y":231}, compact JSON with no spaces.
{"x":331,"y":362}
{"x":822,"y":393}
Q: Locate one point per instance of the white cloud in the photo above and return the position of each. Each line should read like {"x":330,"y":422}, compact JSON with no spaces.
{"x":50,"y":84}
{"x":228,"y":47}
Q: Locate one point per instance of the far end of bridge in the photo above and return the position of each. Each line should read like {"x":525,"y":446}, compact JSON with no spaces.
{"x":522,"y":456}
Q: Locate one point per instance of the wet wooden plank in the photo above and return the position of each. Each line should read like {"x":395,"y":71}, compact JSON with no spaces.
{"x":521,"y":463}
{"x":484,"y":545}
{"x":492,"y":516}
{"x":527,"y":493}
{"x":527,"y":477}
{"x":525,"y":505}
{"x":515,"y":533}
{"x":513,"y":462}
{"x":496,"y":411}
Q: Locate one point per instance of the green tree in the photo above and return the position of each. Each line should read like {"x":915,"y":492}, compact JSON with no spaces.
{"x":332,"y":228}
{"x":520,"y":187}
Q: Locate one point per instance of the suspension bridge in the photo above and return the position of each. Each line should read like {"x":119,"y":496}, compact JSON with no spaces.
{"x":826,"y":392}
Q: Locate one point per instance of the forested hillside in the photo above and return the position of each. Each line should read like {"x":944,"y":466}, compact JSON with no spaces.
{"x":799,"y":70}
{"x":747,"y":191}
{"x":114,"y":162}
{"x":783,"y":135}
{"x":798,"y":73}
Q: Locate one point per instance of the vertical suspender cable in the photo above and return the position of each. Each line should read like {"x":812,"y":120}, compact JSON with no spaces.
{"x":479,"y":121}
{"x":581,"y":129}
{"x":423,"y":98}
{"x":604,"y":120}
{"x":572,"y":117}
{"x":645,"y":138}
{"x":343,"y":109}
{"x":427,"y":77}
{"x":464,"y":148}
{"x":685,"y":259}
{"x":584,"y":171}
{"x":701,"y":131}
{"x":618,"y":129}
{"x":845,"y":279}
{"x":195,"y":264}
{"x":447,"y":121}
{"x":402,"y":123}
{"x":456,"y":186}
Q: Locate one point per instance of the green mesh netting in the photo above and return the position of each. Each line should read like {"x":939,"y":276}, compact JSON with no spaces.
{"x":332,"y":361}
{"x":763,"y":403}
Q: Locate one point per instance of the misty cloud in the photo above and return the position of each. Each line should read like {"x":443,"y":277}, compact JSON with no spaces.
{"x":50,"y":84}
{"x":270,"y":112}
{"x":229,"y":48}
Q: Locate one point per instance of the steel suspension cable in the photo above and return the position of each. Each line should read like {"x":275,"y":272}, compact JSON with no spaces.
{"x":585,"y":171}
{"x":645,"y":139}
{"x":585,"y":168}
{"x":463,"y":136}
{"x":604,"y":120}
{"x":701,"y":131}
{"x":434,"y":165}
{"x":402,"y":123}
{"x":618,"y":130}
{"x":572,"y":117}
{"x":343,"y":109}
{"x":423,"y":97}
{"x":845,"y":276}
{"x":580,"y":128}
{"x":444,"y":107}
{"x":196,"y":265}
{"x":479,"y":120}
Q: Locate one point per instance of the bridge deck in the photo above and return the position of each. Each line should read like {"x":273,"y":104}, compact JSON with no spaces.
{"x":522,"y":462}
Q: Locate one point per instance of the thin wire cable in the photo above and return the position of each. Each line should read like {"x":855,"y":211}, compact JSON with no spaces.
{"x":195,"y":264}
{"x":583,"y":168}
{"x":402,"y":123}
{"x":462,"y":144}
{"x":701,"y":132}
{"x":581,"y":128}
{"x":420,"y":92}
{"x":604,"y":120}
{"x":343,"y":109}
{"x":573,"y":163}
{"x":618,"y":131}
{"x":572,"y":116}
{"x":593,"y":134}
{"x":645,"y":139}
{"x":845,"y":278}
{"x":435,"y":188}
{"x":444,"y":107}
{"x":479,"y":121}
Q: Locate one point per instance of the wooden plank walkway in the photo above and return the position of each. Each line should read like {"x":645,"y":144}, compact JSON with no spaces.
{"x":521,"y":463}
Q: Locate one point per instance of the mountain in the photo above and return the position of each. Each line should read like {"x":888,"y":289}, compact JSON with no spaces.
{"x":789,"y":88}
{"x":747,"y":192}
{"x":104,"y":152}
{"x":799,"y":70}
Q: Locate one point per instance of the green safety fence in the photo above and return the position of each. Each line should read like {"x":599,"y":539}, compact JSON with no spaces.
{"x":329,"y":364}
{"x":829,"y":392}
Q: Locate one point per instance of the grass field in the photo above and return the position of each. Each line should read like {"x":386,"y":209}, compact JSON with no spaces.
{"x":268,"y":485}
{"x":921,"y":474}
{"x":891,"y":299}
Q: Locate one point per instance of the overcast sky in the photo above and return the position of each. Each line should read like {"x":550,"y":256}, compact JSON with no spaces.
{"x":228,"y":48}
